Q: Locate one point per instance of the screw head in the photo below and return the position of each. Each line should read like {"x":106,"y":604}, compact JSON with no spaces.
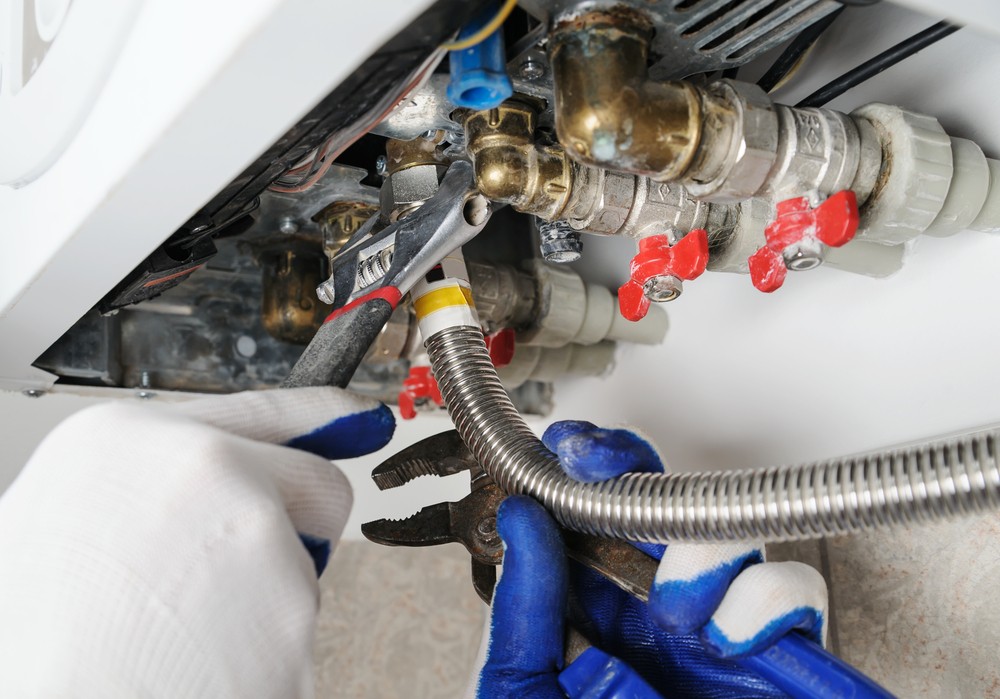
{"x":487,"y":525}
{"x":662,"y":288}
{"x":325,"y":292}
{"x":288,"y":226}
{"x":381,"y":165}
{"x":246,"y":346}
{"x":487,"y":530}
{"x":803,"y":255}
{"x":532,"y":70}
{"x":33,"y":393}
{"x":553,"y":253}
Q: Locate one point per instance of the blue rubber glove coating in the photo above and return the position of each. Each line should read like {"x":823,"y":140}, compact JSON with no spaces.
{"x":349,"y":436}
{"x":678,"y":666}
{"x":527,"y":626}
{"x":675,"y":664}
{"x":596,"y":675}
{"x":804,"y":619}
{"x":344,"y":437}
{"x":318,"y":549}
{"x":588,"y":453}
{"x":529,"y":606}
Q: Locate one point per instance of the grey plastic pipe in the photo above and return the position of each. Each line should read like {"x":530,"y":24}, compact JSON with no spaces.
{"x":927,"y":482}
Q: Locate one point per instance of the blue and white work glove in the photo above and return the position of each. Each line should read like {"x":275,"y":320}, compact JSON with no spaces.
{"x":157,"y":551}
{"x":709,"y":602}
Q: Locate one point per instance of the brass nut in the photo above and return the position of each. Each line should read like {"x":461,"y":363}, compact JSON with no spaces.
{"x":510,"y":168}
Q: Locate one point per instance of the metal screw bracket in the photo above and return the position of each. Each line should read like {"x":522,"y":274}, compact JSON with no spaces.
{"x":288,"y":226}
{"x":531,"y":70}
{"x":326,"y":292}
{"x":560,"y":243}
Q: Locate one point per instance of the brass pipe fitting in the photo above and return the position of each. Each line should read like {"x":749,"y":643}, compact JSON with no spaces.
{"x":290,"y":311}
{"x":426,"y":150}
{"x":725,"y":143}
{"x":340,"y":220}
{"x":541,"y":180}
{"x":610,"y":114}
{"x":511,"y":168}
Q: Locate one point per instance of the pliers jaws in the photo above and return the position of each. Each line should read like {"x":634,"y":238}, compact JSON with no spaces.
{"x":471,"y":521}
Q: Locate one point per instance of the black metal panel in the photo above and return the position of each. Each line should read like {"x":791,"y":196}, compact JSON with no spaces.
{"x":380,"y":74}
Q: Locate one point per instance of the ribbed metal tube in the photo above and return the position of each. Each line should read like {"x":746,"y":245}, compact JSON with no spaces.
{"x":927,"y":482}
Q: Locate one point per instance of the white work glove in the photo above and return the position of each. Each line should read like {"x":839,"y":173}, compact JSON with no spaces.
{"x":155,"y":551}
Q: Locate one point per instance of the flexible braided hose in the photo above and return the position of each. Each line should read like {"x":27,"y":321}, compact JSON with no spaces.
{"x":927,"y":482}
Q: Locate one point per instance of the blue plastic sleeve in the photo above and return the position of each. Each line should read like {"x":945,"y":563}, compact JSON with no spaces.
{"x":597,"y":675}
{"x":803,"y":669}
{"x":479,"y":73}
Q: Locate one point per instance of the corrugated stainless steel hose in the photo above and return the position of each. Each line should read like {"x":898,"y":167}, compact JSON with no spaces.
{"x":931,"y":481}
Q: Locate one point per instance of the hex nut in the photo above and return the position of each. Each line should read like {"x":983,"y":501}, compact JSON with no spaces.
{"x":405,"y":190}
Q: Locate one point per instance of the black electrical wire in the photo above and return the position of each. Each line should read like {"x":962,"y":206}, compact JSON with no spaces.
{"x":795,"y":51}
{"x":884,"y":60}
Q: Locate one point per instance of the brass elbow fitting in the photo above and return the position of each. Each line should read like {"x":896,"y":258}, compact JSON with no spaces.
{"x":511,"y":168}
{"x":608,"y":112}
{"x":542,"y":180}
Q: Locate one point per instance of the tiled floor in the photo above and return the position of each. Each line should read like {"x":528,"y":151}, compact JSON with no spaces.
{"x":397,"y":622}
{"x":916,"y":608}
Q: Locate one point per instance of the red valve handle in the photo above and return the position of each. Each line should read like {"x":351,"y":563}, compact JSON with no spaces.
{"x":833,"y":223}
{"x":687,"y":259}
{"x":421,"y":384}
{"x":418,"y":385}
{"x":501,"y":347}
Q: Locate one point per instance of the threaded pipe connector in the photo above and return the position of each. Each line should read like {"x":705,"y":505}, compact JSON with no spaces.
{"x":560,"y":243}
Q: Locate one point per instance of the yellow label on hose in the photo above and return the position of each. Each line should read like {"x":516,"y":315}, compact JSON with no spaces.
{"x":442,"y":298}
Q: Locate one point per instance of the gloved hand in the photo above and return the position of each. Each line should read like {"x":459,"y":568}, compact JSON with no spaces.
{"x":157,"y":551}
{"x":709,"y":603}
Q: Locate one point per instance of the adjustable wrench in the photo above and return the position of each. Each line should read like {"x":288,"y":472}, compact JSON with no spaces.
{"x":373,"y":271}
